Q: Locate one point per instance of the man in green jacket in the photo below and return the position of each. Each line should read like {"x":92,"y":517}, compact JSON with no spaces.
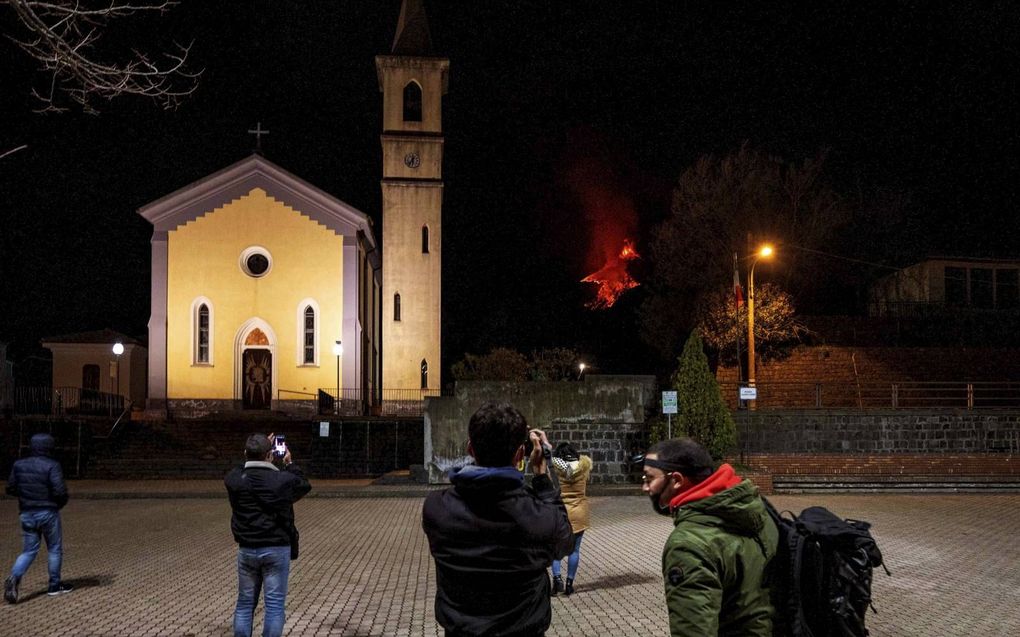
{"x":714,"y":561}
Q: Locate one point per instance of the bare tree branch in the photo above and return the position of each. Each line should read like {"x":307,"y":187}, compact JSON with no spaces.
{"x":13,"y":150}
{"x":62,"y":37}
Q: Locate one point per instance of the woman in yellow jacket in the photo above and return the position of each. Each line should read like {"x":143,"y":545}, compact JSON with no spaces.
{"x":573,"y":471}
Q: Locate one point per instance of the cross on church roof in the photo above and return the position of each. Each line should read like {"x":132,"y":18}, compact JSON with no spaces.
{"x":258,"y":133}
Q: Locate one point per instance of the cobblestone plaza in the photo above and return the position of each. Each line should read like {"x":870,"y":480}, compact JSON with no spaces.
{"x":167,"y":567}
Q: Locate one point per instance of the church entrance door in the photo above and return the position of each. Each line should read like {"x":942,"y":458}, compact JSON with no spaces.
{"x":257,"y":383}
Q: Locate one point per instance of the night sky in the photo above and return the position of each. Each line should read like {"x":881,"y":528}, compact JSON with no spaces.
{"x":545,"y":97}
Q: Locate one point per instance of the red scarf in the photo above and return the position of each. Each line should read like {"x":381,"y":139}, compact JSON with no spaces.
{"x":723,"y":478}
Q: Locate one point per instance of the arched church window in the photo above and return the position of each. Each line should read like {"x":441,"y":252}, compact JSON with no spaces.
{"x":424,"y":239}
{"x":309,"y":332}
{"x":201,"y":331}
{"x":396,"y":307}
{"x":424,"y":374}
{"x":202,"y":354}
{"x":412,"y":102}
{"x":90,"y":377}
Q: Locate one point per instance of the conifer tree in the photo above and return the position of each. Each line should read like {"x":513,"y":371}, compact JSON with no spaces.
{"x":702,"y":415}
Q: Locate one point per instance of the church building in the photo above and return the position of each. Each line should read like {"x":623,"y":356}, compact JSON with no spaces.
{"x":266,"y":289}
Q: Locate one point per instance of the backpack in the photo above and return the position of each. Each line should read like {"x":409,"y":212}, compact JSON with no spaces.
{"x":820,"y":578}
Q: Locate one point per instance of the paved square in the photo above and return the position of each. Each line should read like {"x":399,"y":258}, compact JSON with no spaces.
{"x":166,"y":567}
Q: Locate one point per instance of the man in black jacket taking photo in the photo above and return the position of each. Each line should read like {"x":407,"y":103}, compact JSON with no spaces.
{"x":38,"y":483}
{"x":262,"y":496}
{"x":493,"y":538}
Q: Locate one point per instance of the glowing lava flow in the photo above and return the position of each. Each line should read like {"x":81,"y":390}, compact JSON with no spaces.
{"x":613,"y":278}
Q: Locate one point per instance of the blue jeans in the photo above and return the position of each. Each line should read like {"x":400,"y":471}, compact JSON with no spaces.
{"x":37,"y":524}
{"x":270,"y":567}
{"x":572,"y":560}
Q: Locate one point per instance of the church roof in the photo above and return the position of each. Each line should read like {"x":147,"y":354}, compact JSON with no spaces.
{"x":413,"y":36}
{"x":104,"y":336}
{"x":235,"y":181}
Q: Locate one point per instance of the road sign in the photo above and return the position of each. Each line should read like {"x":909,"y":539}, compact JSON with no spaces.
{"x":669,"y":402}
{"x":748,"y":393}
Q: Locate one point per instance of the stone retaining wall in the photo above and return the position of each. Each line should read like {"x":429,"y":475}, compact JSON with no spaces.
{"x":605,"y":415}
{"x":903,"y":432}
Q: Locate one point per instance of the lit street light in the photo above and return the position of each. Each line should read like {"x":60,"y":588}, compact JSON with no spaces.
{"x":580,"y":372}
{"x":764,"y":252}
{"x":118,"y":349}
{"x":338,"y":351}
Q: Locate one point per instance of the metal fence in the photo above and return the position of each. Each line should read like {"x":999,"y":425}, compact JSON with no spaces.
{"x":347,"y":402}
{"x":387,"y":402}
{"x":66,"y":401}
{"x":878,"y":395}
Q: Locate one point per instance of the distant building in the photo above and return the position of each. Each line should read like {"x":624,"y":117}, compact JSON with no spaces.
{"x":6,"y":379}
{"x":948,"y":282}
{"x":85,"y":363}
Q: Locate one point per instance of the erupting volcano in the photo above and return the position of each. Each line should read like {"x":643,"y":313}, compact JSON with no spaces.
{"x":613,"y":278}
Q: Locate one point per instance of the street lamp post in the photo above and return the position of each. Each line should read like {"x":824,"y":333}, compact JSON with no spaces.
{"x":118,"y":349}
{"x":338,"y":351}
{"x":763,"y":253}
{"x":580,"y":370}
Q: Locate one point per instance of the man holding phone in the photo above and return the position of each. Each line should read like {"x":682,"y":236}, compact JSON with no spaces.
{"x":262,"y":496}
{"x":493,"y":538}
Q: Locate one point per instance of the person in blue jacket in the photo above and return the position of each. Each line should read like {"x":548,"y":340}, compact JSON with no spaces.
{"x":38,"y":483}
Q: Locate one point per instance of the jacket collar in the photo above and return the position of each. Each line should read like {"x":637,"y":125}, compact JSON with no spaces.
{"x":260,"y":464}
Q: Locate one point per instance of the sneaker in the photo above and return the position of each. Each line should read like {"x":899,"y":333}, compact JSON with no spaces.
{"x":59,"y":589}
{"x":11,"y":590}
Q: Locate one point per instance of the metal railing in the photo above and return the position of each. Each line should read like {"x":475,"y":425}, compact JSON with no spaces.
{"x":70,"y":401}
{"x":360,"y":402}
{"x":878,"y":395}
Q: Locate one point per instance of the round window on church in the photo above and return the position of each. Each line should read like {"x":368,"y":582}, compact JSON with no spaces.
{"x":256,"y":262}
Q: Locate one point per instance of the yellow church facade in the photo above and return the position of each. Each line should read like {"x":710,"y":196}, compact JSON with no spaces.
{"x":257,"y":277}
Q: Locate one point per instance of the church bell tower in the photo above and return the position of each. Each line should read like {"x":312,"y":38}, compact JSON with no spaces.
{"x":413,"y":81}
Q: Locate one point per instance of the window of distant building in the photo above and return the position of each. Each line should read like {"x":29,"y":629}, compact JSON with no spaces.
{"x":201,"y":331}
{"x":1007,"y":285}
{"x":412,"y":102}
{"x":424,"y":374}
{"x":90,"y":377}
{"x":424,"y":239}
{"x":981,"y":290}
{"x":396,"y":307}
{"x":956,"y":286}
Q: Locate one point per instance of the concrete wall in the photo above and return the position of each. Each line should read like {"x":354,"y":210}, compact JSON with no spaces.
{"x":902,"y":432}
{"x":603,"y":415}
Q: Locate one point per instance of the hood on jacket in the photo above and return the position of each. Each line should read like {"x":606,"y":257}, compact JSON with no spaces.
{"x":738,"y":510}
{"x":473,"y":478}
{"x":42,"y":445}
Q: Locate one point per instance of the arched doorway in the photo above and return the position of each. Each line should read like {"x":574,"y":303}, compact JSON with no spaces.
{"x":256,"y":374}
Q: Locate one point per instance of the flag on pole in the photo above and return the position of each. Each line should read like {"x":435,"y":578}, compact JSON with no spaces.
{"x":738,"y":294}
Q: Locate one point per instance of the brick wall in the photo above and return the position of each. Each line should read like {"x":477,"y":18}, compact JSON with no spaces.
{"x":852,"y":376}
